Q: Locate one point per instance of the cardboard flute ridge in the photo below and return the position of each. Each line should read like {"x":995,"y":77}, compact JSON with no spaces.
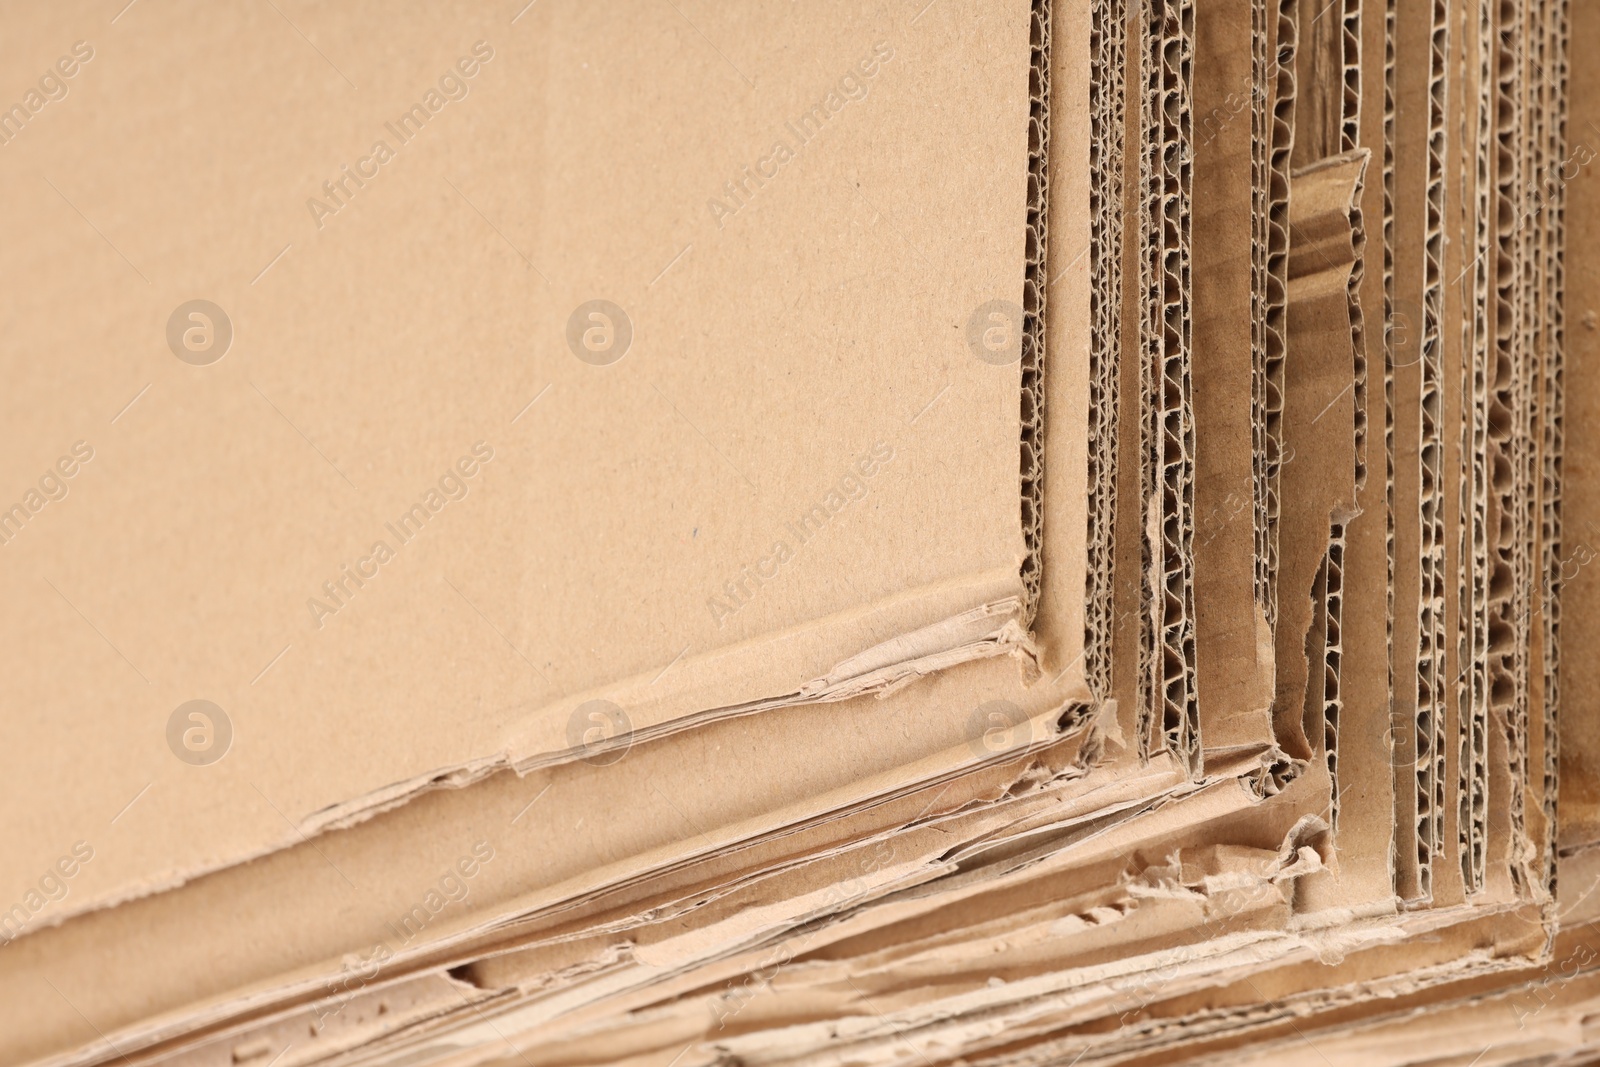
{"x":1035,"y":286}
{"x":1005,"y":535}
{"x":1431,"y":651}
{"x":1145,"y":68}
{"x":1262,"y":132}
{"x":1279,"y":78}
{"x":1169,"y":440}
{"x":1548,"y":418}
{"x":1347,"y":58}
{"x":1474,"y":590}
{"x":1107,"y":103}
{"x":1317,"y":483}
{"x":1366,"y":795}
{"x":1411,"y":614}
{"x":1553,"y":417}
{"x":1508,"y":559}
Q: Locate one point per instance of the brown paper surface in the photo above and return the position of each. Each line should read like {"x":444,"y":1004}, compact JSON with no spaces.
{"x":1234,"y":662}
{"x":409,"y":481}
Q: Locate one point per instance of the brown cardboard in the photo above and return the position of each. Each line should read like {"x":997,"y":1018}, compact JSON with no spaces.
{"x":1508,"y":654}
{"x":662,"y":594}
{"x":1168,"y":178}
{"x":1552,"y":416}
{"x":1450,"y":880}
{"x":1279,"y":84}
{"x":1534,"y":418}
{"x":1319,"y":66}
{"x":1327,"y":123}
{"x":1028,"y":754}
{"x":1230,"y":619}
{"x":220,"y":933}
{"x":1546,"y":420}
{"x":1070,"y":621}
{"x":1473,"y":595}
{"x":1107,"y":92}
{"x":1146,"y":62}
{"x":1413,"y":758}
{"x":1130,"y":641}
{"x":1318,"y":484}
{"x":1579,"y":681}
{"x":1433,"y":782}
{"x":758,"y":1013}
{"x":1368,"y":801}
{"x":1565,"y":149}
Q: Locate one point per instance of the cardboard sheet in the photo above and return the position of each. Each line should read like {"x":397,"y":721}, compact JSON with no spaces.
{"x":1232,"y":646}
{"x":674,"y":535}
{"x":527,"y":371}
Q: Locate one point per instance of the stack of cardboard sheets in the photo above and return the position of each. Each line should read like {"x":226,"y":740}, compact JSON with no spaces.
{"x":674,"y":533}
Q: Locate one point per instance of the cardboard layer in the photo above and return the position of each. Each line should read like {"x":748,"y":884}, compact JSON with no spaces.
{"x":1167,"y":175}
{"x":1108,"y":150}
{"x":1414,"y":757}
{"x":1070,"y":623}
{"x":1130,"y":443}
{"x":1318,"y":478}
{"x":555,"y":839}
{"x":480,"y":420}
{"x":1233,"y":654}
{"x":1580,"y":594}
{"x":1473,"y":595}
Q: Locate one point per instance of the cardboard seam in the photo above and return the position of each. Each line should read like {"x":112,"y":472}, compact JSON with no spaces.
{"x":1350,"y":141}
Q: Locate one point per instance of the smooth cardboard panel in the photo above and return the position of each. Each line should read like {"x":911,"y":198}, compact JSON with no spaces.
{"x":1232,"y":651}
{"x":1579,"y":810}
{"x":402,"y":471}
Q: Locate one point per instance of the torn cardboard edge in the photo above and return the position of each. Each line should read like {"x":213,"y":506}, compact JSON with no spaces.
{"x":1318,"y":484}
{"x":488,"y":928}
{"x":986,"y":632}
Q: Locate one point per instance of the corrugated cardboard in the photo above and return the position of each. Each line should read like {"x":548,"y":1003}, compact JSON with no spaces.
{"x":953,"y":534}
{"x":1233,"y":655}
{"x":758,"y":489}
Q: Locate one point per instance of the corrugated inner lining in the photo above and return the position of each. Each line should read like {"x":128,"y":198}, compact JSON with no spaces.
{"x":1033,"y":306}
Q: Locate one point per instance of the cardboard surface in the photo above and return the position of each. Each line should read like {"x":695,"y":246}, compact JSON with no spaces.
{"x":1234,"y":664}
{"x":1580,"y":623}
{"x":796,"y":457}
{"x":953,"y":533}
